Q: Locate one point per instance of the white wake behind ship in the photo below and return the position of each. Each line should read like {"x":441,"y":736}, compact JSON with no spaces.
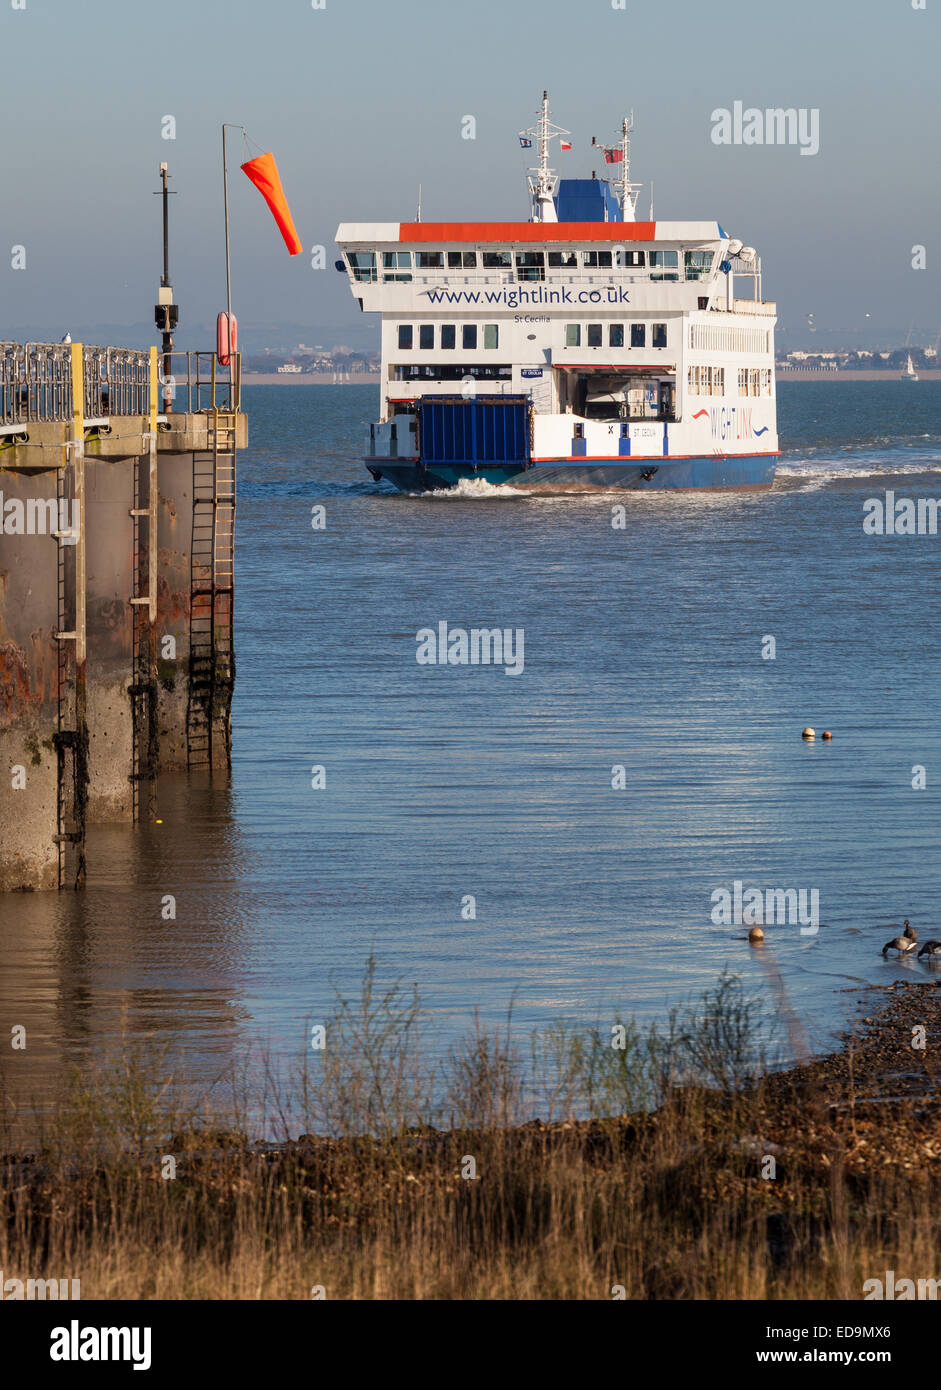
{"x":582,"y":349}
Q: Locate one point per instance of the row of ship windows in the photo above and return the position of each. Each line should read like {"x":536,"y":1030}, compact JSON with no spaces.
{"x":576,"y":335}
{"x":471,"y":337}
{"x":701,"y":381}
{"x":710,"y":381}
{"x":530,"y":265}
{"x":594,"y":335}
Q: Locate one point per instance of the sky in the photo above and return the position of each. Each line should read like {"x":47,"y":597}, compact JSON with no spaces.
{"x":362,"y":100}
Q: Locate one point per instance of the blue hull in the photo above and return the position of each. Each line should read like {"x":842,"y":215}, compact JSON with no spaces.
{"x":733,"y":473}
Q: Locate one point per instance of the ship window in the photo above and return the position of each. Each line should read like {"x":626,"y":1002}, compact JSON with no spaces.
{"x":497,"y":260}
{"x":578,"y":431}
{"x":658,"y":335}
{"x":665,"y":265}
{"x":616,"y":335}
{"x":698,"y":264}
{"x":426,"y":335}
{"x":363,"y":264}
{"x":563,"y":260}
{"x":405,"y":335}
{"x":429,"y":260}
{"x":448,"y":335}
{"x":396,"y":265}
{"x":573,"y":335}
{"x":491,"y":335}
{"x":469,"y":335}
{"x":638,"y":335}
{"x":530,"y":265}
{"x":597,"y":260}
{"x":623,"y":258}
{"x":594,"y":335}
{"x":462,"y":260}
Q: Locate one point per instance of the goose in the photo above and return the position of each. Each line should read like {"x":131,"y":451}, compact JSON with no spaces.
{"x":904,"y":943}
{"x":931,"y":948}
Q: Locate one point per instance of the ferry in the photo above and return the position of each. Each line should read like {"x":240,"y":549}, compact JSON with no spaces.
{"x":579,"y":350}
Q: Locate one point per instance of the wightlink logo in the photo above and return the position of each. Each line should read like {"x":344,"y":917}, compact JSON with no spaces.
{"x":902,"y":516}
{"x":40,"y":516}
{"x":516,"y":298}
{"x":477,"y":646}
{"x":777,"y":125}
{"x":775,"y":907}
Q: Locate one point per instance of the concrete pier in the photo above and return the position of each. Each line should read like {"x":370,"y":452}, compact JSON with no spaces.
{"x":117,"y":528}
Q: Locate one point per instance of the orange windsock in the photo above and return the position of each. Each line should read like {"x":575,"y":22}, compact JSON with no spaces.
{"x":263,"y":173}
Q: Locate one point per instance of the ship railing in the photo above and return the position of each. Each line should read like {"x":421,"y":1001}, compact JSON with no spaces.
{"x":748,"y":270}
{"x":554,"y":279}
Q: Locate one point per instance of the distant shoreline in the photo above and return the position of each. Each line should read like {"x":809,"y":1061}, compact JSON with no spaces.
{"x":307,"y":379}
{"x":372,"y":378}
{"x":814,"y":374}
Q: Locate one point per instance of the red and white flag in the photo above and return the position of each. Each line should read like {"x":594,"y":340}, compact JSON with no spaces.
{"x":565,"y":144}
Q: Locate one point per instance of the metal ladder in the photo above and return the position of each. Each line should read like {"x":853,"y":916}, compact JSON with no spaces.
{"x":143,"y":688}
{"x":71,"y":736}
{"x":212,"y":565}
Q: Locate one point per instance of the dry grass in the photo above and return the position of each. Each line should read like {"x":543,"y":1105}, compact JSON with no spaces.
{"x":646,"y":1173}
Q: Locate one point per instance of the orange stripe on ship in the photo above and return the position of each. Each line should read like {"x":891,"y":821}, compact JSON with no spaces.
{"x":618,"y":233}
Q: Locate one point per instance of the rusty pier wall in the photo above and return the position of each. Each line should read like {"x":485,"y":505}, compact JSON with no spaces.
{"x":116,"y":540}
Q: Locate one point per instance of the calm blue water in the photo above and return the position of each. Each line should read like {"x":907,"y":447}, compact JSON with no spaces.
{"x":642,"y":648}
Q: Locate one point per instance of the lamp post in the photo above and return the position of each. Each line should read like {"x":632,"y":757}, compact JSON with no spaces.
{"x":166,"y":313}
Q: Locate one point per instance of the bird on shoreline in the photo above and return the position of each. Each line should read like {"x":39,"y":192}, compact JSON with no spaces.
{"x":931,"y":948}
{"x":904,"y":943}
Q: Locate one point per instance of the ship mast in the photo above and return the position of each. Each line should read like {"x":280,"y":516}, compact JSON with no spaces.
{"x":624,"y":189}
{"x":541,"y":177}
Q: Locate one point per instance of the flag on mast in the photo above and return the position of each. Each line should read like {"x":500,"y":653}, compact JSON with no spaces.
{"x":613,"y":156}
{"x":565,"y":144}
{"x":263,"y":172}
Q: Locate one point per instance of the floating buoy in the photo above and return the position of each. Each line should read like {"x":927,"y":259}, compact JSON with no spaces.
{"x":827,"y":733}
{"x":756,"y":934}
{"x":809,"y":732}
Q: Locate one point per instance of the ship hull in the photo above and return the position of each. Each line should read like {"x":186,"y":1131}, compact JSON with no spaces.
{"x":731,"y":473}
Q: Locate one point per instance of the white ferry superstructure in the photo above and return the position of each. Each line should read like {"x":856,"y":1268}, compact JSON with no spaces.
{"x":580,"y":350}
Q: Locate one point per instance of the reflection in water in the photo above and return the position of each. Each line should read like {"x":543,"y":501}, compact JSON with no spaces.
{"x":88,"y":974}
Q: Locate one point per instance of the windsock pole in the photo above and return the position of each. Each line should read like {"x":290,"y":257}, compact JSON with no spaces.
{"x":228,"y":261}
